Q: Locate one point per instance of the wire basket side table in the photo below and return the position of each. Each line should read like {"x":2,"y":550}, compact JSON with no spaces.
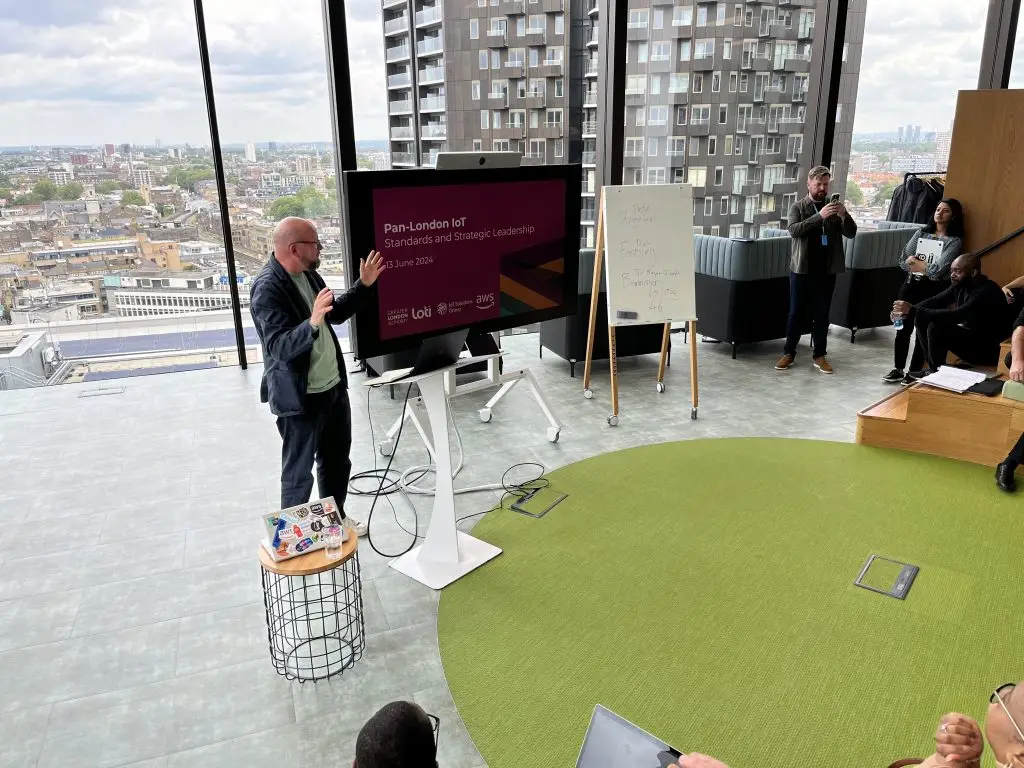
{"x":314,"y":610}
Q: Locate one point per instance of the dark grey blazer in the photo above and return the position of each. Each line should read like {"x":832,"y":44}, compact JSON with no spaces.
{"x":280,"y":314}
{"x":804,"y":223}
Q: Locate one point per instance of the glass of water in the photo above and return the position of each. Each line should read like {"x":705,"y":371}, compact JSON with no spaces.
{"x":332,"y":542}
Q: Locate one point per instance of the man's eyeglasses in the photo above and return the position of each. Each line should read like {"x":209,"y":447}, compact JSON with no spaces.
{"x":436,"y":722}
{"x":999,"y":696}
{"x":317,"y":243}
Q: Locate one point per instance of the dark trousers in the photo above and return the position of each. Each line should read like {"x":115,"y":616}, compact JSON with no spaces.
{"x":810,"y":297}
{"x":322,"y":434}
{"x":1016,"y":457}
{"x":939,"y":337}
{"x":914,"y":292}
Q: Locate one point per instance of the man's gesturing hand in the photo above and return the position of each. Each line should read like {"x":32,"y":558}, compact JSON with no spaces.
{"x":321,"y":306}
{"x":370,"y":268}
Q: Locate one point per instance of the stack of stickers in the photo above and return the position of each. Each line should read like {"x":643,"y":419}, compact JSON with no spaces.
{"x":297,"y":530}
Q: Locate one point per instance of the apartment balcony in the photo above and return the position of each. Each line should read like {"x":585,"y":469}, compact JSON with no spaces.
{"x":662,"y":2}
{"x":782,"y":187}
{"x":432,"y":104}
{"x":683,"y":31}
{"x":429,"y":17}
{"x":403,"y":158}
{"x":429,"y":46}
{"x":593,"y":39}
{"x":791,"y":125}
{"x":497,"y":39}
{"x":534,"y":158}
{"x":403,"y":107}
{"x":638,"y":32}
{"x":633,"y":159}
{"x":402,"y":133}
{"x":401,"y":80}
{"x":547,"y":69}
{"x":776,"y":97}
{"x":589,"y":127}
{"x":703,"y":63}
{"x":680,"y":97}
{"x":699,"y":128}
{"x":587,"y":215}
{"x":532,"y":100}
{"x":428,"y":159}
{"x":593,"y":7}
{"x":661,"y":64}
{"x":396,"y":26}
{"x":800,"y":96}
{"x":636,"y":96}
{"x":676,"y":160}
{"x":430,"y":75}
{"x":496,"y":100}
{"x":397,"y":53}
{"x":588,"y":188}
{"x":552,"y":6}
{"x":512,"y":70}
{"x":805,"y":32}
{"x":799,"y":65}
{"x":547,"y":131}
{"x":393,"y":3}
{"x":513,"y":7}
{"x":509,"y":132}
{"x":590,"y":97}
{"x":591,"y":69}
{"x":533,"y":36}
{"x":589,"y":158}
{"x":434,"y":131}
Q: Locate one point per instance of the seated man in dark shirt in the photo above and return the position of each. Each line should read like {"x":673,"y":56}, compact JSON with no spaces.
{"x":1015,"y":362}
{"x":967,"y":319}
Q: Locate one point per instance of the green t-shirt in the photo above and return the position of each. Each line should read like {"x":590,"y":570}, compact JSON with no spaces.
{"x":323,"y":360}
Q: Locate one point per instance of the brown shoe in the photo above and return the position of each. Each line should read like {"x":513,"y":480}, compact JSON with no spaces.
{"x":823,"y":365}
{"x":786,"y":361}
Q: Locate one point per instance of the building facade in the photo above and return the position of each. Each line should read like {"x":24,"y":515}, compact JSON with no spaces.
{"x":717,"y":95}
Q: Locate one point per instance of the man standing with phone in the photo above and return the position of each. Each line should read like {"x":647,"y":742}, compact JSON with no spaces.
{"x":304,"y":372}
{"x":817,"y":227}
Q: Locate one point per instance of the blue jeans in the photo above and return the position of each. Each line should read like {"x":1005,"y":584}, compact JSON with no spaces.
{"x":323,"y":434}
{"x":810,"y":297}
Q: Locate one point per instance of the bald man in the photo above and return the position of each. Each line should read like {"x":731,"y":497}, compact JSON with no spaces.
{"x":969,"y":318}
{"x":304,"y":372}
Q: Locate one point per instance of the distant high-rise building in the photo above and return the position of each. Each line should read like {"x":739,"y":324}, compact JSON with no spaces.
{"x":306,"y":164}
{"x":250,"y":152}
{"x":899,"y":135}
{"x":272,"y":146}
{"x":943,"y":141}
{"x":126,"y":150}
{"x":108,"y":150}
{"x":917,"y":134}
{"x":158,"y":144}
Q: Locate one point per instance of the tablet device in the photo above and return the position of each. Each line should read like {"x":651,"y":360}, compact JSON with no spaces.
{"x":614,"y":742}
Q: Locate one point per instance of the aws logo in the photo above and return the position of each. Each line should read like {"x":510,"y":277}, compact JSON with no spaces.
{"x":484,"y":300}
{"x":420,"y":314}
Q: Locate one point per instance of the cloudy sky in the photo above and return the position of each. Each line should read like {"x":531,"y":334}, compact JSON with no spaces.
{"x":96,"y":71}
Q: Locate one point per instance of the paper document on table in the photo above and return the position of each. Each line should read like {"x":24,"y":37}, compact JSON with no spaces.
{"x":954,"y":379}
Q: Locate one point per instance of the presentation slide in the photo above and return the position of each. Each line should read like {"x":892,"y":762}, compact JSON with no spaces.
{"x":459,"y":254}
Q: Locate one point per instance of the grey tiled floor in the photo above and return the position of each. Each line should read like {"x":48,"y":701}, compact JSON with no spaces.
{"x":131,"y":619}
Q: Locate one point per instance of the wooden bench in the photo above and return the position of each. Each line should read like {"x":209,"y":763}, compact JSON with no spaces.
{"x":924,"y":419}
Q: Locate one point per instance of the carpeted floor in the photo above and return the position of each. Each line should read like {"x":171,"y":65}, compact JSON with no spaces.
{"x":703,"y":590}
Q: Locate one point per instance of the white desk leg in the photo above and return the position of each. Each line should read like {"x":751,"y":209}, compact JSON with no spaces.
{"x":446,"y":554}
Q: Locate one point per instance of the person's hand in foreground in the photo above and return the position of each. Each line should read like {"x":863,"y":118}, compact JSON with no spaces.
{"x":958,"y":740}
{"x":323,"y":304}
{"x":1008,"y":293}
{"x":694,"y":760}
{"x":370,"y":268}
{"x":1017,"y":371}
{"x":901,"y":308}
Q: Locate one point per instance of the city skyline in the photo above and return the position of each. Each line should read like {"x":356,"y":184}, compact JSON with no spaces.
{"x":269,"y":70}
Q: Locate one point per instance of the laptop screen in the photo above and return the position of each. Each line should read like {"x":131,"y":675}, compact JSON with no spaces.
{"x":612,"y":742}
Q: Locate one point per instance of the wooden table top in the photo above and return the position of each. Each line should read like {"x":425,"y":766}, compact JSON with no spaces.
{"x":312,"y":562}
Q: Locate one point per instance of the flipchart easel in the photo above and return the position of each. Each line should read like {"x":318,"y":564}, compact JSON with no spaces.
{"x":675,"y":211}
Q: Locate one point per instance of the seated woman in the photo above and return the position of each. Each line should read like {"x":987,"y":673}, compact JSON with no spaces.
{"x":926,"y":279}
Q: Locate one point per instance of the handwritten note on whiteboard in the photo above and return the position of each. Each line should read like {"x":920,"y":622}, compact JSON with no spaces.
{"x":649,"y":264}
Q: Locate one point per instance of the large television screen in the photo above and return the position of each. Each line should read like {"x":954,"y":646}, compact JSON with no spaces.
{"x":486,"y":249}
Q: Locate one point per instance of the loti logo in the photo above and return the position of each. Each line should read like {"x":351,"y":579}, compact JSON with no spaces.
{"x":421,"y":313}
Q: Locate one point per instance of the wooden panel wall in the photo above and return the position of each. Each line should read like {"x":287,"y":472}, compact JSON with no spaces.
{"x":986,"y":174}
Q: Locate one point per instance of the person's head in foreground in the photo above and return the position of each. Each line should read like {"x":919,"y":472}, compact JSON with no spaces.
{"x":965,"y":266}
{"x":817,"y":182}
{"x":959,"y":742}
{"x":399,"y":735}
{"x":949,"y":215}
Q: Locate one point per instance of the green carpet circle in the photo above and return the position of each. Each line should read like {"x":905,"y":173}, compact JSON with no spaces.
{"x":704,"y":590}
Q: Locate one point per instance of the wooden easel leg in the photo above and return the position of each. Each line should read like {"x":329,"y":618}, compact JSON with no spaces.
{"x":613,"y":362}
{"x":595,"y":291}
{"x":663,"y":358}
{"x":693,"y":368}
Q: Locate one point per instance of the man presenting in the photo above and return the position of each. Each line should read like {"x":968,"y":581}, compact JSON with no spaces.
{"x":817,"y":228}
{"x":969,"y":318}
{"x":304,"y":371}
